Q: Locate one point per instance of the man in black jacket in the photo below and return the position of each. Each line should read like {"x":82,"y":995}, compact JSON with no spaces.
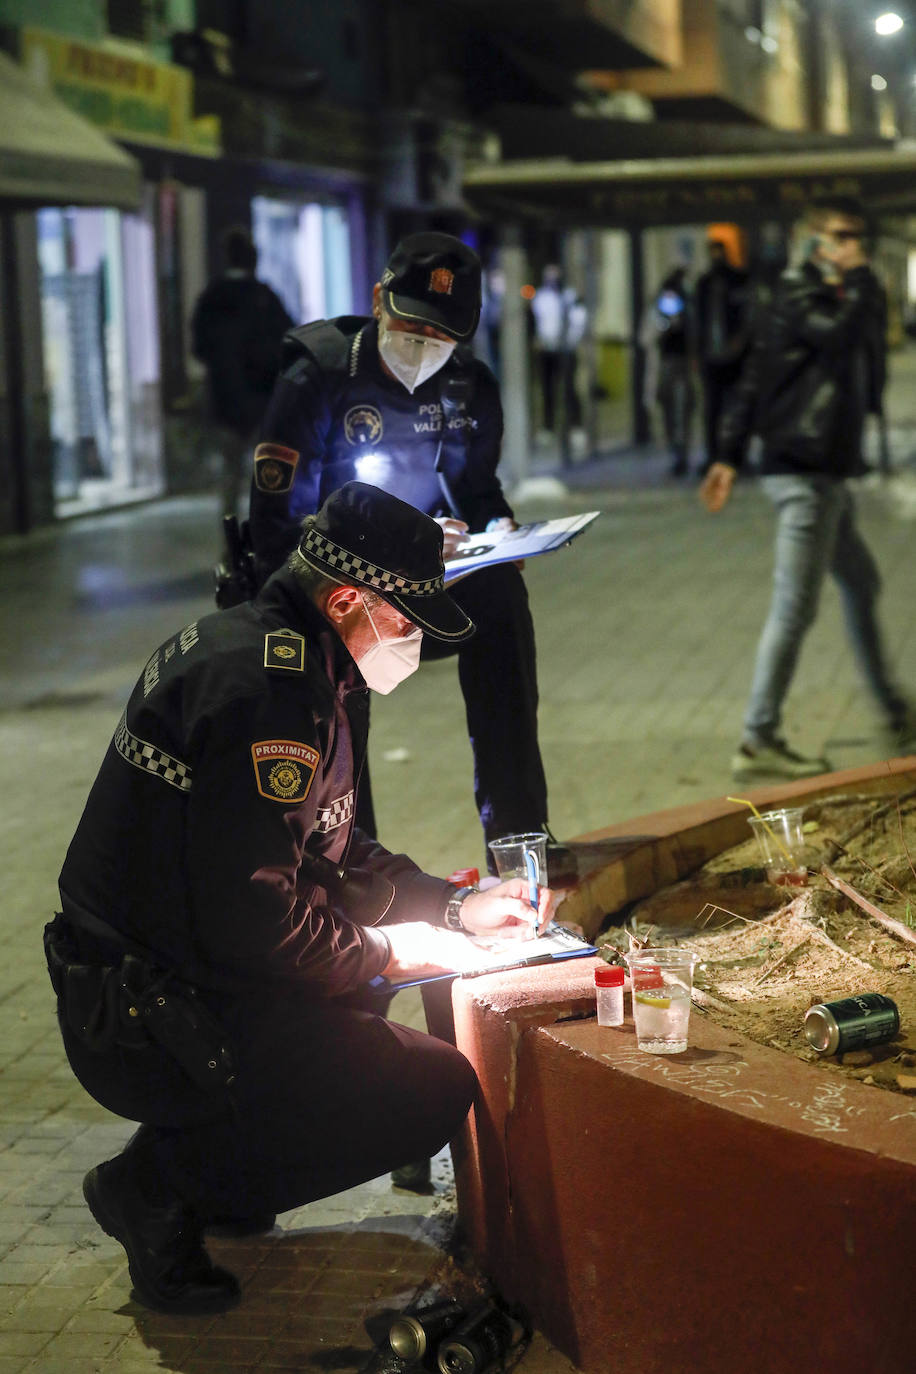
{"x":817,"y":368}
{"x":399,"y":400}
{"x":722,"y":313}
{"x":237,"y":331}
{"x":217,"y":851}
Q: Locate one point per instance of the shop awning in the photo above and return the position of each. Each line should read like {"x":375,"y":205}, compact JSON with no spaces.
{"x":51,"y":156}
{"x":690,"y":190}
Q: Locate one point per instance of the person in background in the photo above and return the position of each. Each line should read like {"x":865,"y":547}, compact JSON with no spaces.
{"x":237,"y":329}
{"x":560,"y":323}
{"x":665,"y":334}
{"x":223,"y":918}
{"x":491,"y":315}
{"x":722,"y":309}
{"x":816,"y":368}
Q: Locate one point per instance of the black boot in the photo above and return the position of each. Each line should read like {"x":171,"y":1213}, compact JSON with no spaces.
{"x":241,"y":1225}
{"x":169,"y":1267}
{"x":414,"y":1178}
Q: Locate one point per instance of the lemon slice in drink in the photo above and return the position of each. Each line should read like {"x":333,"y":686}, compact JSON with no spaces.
{"x":648,"y":1000}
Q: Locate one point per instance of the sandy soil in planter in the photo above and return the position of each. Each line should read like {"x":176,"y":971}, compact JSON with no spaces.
{"x":768,"y":953}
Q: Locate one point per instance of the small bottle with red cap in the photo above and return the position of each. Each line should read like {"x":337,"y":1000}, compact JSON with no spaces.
{"x":609,"y":992}
{"x":464,"y":877}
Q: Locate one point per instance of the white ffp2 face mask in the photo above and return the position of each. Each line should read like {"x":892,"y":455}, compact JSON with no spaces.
{"x":389,"y":661}
{"x":413,"y":358}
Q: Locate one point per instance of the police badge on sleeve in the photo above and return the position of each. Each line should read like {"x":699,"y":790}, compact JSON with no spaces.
{"x":274,"y":468}
{"x":284,"y":769}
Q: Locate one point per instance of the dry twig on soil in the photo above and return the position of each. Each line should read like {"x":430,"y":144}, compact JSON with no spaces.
{"x":704,"y":999}
{"x":895,"y":927}
{"x":779,"y":962}
{"x":833,"y":847}
{"x":846,"y":954}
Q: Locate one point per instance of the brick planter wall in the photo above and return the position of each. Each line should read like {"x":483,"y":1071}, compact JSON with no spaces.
{"x":731,"y":1208}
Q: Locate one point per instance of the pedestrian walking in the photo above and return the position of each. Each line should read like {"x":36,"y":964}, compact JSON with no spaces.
{"x":236,"y":331}
{"x":665,"y":334}
{"x":816,"y":369}
{"x":722,"y":304}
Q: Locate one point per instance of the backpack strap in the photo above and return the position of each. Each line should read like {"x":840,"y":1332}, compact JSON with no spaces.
{"x":333,"y":344}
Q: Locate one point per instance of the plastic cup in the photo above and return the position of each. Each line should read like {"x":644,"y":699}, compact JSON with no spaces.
{"x":661,"y":981}
{"x":509,"y":855}
{"x":781,"y":842}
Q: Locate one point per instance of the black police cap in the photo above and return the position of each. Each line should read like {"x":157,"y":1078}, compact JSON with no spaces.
{"x":434,"y":279}
{"x":365,"y":536}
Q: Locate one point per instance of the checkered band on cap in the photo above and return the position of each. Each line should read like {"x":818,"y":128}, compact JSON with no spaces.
{"x":152,"y":760}
{"x":351,"y":567}
{"x":338,"y":813}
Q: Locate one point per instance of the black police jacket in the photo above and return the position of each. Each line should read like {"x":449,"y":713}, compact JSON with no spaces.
{"x":335,"y":416}
{"x":723,"y":316}
{"x":234,"y":761}
{"x":817,"y":367}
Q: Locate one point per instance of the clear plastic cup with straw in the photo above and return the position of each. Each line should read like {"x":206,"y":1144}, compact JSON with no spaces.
{"x":781,"y":841}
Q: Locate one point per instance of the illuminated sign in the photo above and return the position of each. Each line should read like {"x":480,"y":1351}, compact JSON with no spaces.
{"x":130,"y":97}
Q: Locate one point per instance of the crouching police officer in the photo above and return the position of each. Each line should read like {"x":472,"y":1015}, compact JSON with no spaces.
{"x":222,"y":915}
{"x":399,"y":401}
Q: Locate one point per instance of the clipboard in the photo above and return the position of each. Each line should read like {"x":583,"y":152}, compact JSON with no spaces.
{"x":556,"y":945}
{"x":484,"y":549}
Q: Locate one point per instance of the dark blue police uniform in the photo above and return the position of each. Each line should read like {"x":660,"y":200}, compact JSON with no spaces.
{"x":234,"y":762}
{"x":335,"y":415}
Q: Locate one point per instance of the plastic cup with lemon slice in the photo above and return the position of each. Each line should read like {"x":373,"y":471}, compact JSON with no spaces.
{"x":661,"y":982}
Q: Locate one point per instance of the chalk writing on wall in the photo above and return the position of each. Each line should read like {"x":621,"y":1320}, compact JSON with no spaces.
{"x":825,"y":1108}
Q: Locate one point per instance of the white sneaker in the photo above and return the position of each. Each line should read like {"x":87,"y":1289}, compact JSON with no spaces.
{"x":774,"y":760}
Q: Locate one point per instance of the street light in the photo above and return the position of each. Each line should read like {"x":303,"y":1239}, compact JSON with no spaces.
{"x":888,"y":23}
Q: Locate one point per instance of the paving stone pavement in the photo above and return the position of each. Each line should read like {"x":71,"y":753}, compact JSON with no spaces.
{"x":646,"y":629}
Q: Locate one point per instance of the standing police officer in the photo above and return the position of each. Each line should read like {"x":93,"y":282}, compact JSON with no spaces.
{"x":398,"y":400}
{"x":222,"y":915}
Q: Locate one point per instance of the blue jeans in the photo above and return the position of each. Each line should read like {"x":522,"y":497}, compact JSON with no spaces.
{"x":815,"y":534}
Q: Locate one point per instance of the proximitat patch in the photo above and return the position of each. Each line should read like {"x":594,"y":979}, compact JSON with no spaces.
{"x":284,"y":769}
{"x":274,"y":468}
{"x":284,"y":649}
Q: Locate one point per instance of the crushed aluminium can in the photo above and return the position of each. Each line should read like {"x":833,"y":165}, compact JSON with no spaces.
{"x":416,"y":1333}
{"x":852,"y":1023}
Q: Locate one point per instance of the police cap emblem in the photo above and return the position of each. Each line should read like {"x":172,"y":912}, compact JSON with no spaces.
{"x":363,"y":425}
{"x":441,"y":280}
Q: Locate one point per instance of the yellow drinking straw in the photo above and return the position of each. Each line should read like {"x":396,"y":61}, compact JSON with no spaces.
{"x":743,"y":801}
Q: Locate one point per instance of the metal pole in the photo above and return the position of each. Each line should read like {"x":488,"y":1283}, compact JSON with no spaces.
{"x":516,"y":381}
{"x":591,"y":358}
{"x":641,"y":430}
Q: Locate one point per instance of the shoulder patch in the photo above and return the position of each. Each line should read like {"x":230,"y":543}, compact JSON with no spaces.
{"x":274,"y":468}
{"x":284,"y":769}
{"x":284,"y":650}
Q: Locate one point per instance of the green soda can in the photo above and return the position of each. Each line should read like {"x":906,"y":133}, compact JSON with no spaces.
{"x":852,"y":1023}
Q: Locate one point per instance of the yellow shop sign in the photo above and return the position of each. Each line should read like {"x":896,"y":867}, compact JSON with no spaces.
{"x":129,"y":97}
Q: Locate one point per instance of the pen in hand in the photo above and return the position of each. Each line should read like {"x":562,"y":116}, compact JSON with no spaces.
{"x":531,"y":864}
